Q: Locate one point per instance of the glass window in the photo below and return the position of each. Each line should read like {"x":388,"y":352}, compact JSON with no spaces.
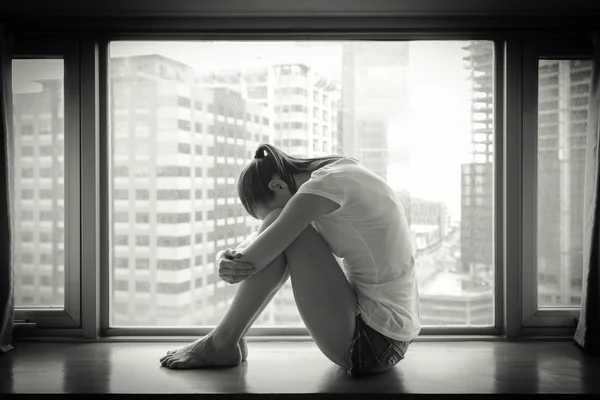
{"x":418,"y":114}
{"x":563,"y":101}
{"x":38,"y":106}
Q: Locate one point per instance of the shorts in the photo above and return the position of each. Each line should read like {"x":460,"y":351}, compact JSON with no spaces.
{"x":372,"y":352}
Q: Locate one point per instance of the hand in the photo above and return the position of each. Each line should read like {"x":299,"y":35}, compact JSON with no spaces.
{"x":232,"y":271}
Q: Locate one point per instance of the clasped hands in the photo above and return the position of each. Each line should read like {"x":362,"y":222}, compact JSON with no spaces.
{"x":232,"y":271}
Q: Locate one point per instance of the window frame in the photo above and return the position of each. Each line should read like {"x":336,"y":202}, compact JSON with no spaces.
{"x":498,"y":41}
{"x":534,"y":319}
{"x":512,"y":40}
{"x":70,"y":315}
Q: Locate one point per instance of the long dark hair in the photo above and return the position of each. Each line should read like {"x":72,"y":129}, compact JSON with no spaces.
{"x":253,"y":182}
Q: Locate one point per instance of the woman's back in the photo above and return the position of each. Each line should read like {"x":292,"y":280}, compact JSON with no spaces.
{"x":369,"y":232}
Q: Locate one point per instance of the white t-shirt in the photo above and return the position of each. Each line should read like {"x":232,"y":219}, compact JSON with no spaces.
{"x":369,"y":235}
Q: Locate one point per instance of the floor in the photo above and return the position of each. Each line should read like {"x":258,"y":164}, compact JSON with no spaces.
{"x":299,"y":367}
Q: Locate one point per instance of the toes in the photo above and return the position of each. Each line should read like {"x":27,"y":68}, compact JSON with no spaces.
{"x":175,"y":365}
{"x":170,"y":361}
{"x":166,"y":360}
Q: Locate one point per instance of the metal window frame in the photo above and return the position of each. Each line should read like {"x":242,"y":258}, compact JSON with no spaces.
{"x":535,"y":319}
{"x":70,"y":315}
{"x":511,"y":45}
{"x":499,"y":184}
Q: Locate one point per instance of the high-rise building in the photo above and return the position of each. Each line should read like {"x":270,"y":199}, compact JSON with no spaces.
{"x":302,"y":103}
{"x":177,"y":150}
{"x":39,"y":199}
{"x":563,"y":101}
{"x":374,"y":92}
{"x":477,"y":176}
{"x":456,"y":276}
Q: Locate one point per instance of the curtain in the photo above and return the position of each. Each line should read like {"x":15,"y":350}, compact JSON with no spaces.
{"x":587,"y":334}
{"x":6,"y":267}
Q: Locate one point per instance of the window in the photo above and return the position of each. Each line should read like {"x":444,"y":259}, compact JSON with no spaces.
{"x":142,"y":194}
{"x":173,"y":265}
{"x":557,"y":83}
{"x":142,"y":218}
{"x":172,"y":171}
{"x":183,"y":101}
{"x":169,"y":218}
{"x":38,"y":94}
{"x":142,"y":240}
{"x":46,"y":223}
{"x":449,"y":203}
{"x":184,"y":148}
{"x":184,"y":125}
{"x":562,"y":124}
{"x":173,"y":241}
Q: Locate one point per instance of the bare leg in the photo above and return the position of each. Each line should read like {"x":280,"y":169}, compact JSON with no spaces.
{"x":220,"y":347}
{"x":325,"y":299}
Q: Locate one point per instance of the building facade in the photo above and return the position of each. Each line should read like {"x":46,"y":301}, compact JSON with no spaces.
{"x":39,"y":195}
{"x":177,"y":150}
{"x":374,"y":91}
{"x":563,"y":101}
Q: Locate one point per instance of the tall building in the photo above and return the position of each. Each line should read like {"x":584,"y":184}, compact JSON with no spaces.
{"x":563,"y":101}
{"x":477,"y":176}
{"x":374,"y":91}
{"x":177,"y":150}
{"x":456,"y":274}
{"x":302,"y":103}
{"x":39,"y":195}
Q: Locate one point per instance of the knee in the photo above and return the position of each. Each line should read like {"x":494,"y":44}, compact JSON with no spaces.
{"x":307,"y":239}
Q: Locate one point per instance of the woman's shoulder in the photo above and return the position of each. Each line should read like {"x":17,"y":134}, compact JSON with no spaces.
{"x":336,"y":166}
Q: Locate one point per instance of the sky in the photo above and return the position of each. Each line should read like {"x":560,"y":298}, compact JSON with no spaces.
{"x":435,"y":131}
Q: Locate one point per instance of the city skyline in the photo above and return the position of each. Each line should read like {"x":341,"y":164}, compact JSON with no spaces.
{"x":179,"y":137}
{"x":448,"y":89}
{"x":444,"y":92}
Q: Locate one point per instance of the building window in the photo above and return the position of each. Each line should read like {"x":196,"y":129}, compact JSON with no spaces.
{"x":184,"y":125}
{"x":142,"y":240}
{"x":183,"y":148}
{"x":121,"y":262}
{"x":142,"y":194}
{"x":173,"y":241}
{"x":142,"y":263}
{"x":183,"y":102}
{"x":142,"y":218}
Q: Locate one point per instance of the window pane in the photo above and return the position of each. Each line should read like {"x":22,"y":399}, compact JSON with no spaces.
{"x":418,"y":114}
{"x":39,"y":184}
{"x":563,"y":101}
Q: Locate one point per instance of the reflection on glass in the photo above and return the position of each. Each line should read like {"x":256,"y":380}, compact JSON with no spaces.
{"x":563,"y":101}
{"x":187,"y":116}
{"x":38,"y":182}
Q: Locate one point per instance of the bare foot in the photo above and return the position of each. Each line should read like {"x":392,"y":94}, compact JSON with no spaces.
{"x":243,"y":345}
{"x":202,"y":354}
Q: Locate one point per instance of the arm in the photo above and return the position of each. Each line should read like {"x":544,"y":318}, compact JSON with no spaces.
{"x":300,"y":211}
{"x":243,"y":245}
{"x":247,"y":241}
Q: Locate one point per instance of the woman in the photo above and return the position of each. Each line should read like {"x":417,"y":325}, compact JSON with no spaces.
{"x":362,"y":312}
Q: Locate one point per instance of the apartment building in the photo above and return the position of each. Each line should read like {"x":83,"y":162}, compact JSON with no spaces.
{"x":177,"y":151}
